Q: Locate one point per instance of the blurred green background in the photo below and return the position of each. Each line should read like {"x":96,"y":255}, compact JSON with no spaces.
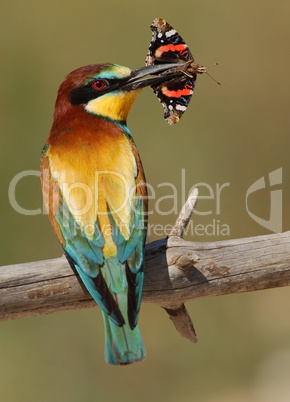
{"x":235,"y":133}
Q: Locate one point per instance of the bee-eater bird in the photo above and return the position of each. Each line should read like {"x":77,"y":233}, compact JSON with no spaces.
{"x":95,"y":193}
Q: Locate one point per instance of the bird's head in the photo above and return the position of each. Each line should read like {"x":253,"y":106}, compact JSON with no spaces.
{"x":107,"y":90}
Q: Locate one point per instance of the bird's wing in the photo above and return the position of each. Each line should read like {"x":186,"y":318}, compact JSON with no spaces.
{"x":83,"y":253}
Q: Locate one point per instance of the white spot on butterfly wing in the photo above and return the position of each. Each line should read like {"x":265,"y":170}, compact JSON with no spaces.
{"x":170,"y":33}
{"x":180,"y":107}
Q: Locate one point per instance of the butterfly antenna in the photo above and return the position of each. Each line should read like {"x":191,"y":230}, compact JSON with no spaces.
{"x":215,"y":64}
{"x":213,"y":78}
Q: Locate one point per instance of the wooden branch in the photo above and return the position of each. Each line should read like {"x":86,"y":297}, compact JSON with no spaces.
{"x":175,"y":271}
{"x":177,"y":311}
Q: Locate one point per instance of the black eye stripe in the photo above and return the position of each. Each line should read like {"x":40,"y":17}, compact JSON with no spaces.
{"x":83,"y":95}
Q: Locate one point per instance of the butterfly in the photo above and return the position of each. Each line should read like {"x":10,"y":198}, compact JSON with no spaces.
{"x":167,"y":46}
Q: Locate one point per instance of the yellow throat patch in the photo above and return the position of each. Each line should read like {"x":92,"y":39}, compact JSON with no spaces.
{"x":114,"y":105}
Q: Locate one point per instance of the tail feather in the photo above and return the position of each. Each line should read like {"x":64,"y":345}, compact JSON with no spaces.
{"x":135,"y":285}
{"x":122,"y":345}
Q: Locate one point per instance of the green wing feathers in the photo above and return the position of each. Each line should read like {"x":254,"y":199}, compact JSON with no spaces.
{"x":115,"y":283}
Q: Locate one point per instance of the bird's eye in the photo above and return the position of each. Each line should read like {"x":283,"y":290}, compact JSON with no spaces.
{"x":98,"y":85}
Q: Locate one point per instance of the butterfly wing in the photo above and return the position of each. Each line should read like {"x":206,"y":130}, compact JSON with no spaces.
{"x":175,"y":96}
{"x":166,"y":46}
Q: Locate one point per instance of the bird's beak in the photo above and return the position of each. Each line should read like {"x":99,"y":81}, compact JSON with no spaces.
{"x":161,"y":72}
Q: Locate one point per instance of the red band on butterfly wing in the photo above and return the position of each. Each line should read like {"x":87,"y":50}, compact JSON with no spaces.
{"x":187,"y":90}
{"x":182,"y":49}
